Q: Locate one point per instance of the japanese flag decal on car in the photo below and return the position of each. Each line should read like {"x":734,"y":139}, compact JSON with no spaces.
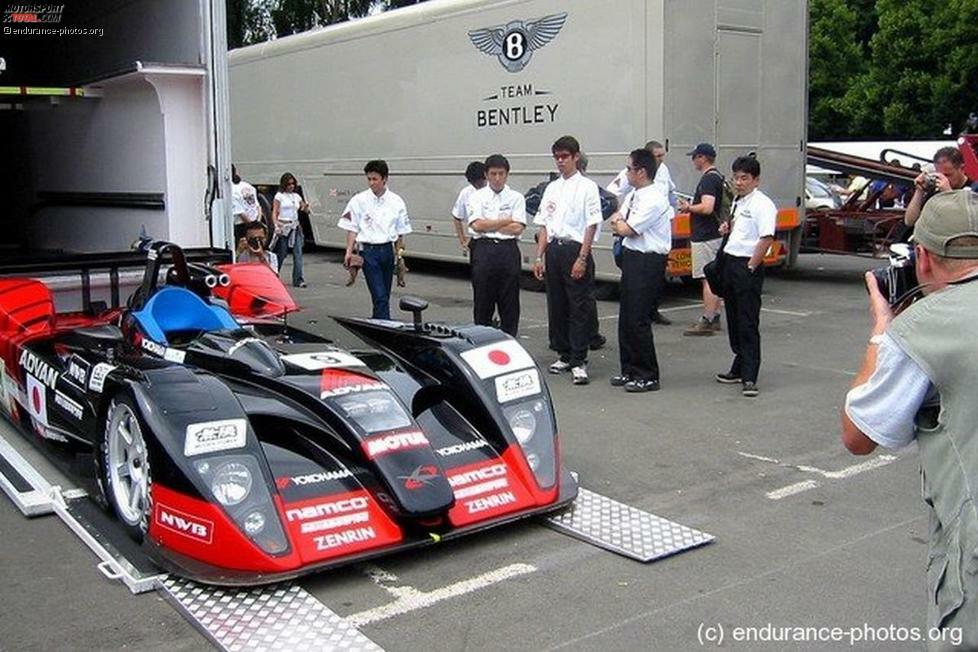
{"x":498,"y":358}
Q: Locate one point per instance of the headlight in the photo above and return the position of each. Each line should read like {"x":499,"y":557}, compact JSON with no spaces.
{"x":231,"y":484}
{"x":523,"y":424}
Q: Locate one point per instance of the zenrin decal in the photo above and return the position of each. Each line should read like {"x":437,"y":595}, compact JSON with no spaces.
{"x":344,"y":538}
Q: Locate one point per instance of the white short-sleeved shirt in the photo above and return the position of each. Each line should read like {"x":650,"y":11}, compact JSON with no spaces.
{"x":568,"y":207}
{"x":376,"y":220}
{"x":460,"y":211}
{"x":646,"y":210}
{"x":486,"y":204}
{"x":288,"y":207}
{"x":884,"y":407}
{"x":244,"y":202}
{"x":754,"y":217}
{"x":620,"y":187}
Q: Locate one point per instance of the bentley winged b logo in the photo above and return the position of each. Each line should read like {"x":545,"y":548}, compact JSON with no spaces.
{"x":514,"y":42}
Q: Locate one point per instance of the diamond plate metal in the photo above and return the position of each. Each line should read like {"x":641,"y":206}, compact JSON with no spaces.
{"x":623,"y":529}
{"x":281,"y":617}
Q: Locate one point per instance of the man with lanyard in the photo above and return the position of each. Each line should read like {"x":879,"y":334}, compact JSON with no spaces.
{"x":620,"y":187}
{"x":569,"y":215}
{"x":646,"y":232}
{"x":376,"y":220}
{"x":751,"y":232}
{"x":475,"y":175}
{"x":497,"y":217}
{"x":704,"y":237}
{"x":917,"y":384}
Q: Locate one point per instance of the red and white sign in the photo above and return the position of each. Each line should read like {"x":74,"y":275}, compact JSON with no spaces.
{"x":188,"y":525}
{"x":499,"y":358}
{"x":37,"y":403}
{"x":485,"y":490}
{"x":393,"y":442}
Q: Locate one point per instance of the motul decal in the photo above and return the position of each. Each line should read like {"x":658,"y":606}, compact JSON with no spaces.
{"x":392,"y":443}
{"x":36,"y":367}
{"x":185,"y":524}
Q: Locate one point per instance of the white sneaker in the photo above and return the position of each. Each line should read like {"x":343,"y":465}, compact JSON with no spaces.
{"x":559,"y":367}
{"x":580,"y":375}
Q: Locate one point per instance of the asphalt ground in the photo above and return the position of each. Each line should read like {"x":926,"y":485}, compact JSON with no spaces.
{"x":807,"y":535}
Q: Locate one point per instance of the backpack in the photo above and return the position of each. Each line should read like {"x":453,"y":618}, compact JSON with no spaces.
{"x":722,"y":212}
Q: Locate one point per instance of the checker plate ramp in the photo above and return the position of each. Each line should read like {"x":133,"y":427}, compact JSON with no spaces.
{"x":279,"y":617}
{"x":612,"y":525}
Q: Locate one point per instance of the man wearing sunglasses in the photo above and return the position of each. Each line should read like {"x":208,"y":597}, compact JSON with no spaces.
{"x":569,"y":215}
{"x":917,"y":383}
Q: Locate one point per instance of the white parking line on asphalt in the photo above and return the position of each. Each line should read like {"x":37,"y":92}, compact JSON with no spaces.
{"x":792,"y":489}
{"x":410,"y":599}
{"x":855,"y":469}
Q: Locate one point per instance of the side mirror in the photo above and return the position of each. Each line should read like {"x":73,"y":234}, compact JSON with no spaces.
{"x":415,"y":306}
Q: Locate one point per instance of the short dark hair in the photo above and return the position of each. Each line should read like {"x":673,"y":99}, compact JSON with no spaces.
{"x":234,"y":174}
{"x":377,"y":166}
{"x":475,"y":172}
{"x":566,"y":144}
{"x":748,"y":165}
{"x":284,"y":180}
{"x":257,"y":224}
{"x":654,"y":144}
{"x":643,"y":160}
{"x":497,"y":161}
{"x":952,"y":154}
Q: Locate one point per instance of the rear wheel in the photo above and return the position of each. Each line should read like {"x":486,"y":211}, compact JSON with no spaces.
{"x":125,"y":467}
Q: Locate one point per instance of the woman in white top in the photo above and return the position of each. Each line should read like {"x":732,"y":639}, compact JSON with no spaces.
{"x":288,"y":231}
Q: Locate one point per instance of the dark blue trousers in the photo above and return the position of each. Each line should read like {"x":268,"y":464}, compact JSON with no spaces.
{"x":378,"y":270}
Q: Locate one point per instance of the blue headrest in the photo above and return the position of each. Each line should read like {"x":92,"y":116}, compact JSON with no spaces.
{"x":178,"y":309}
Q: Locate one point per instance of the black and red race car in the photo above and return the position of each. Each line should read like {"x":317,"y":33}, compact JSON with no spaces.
{"x":240,"y":450}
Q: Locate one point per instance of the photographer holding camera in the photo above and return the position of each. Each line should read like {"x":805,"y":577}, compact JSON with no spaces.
{"x":251,"y":248}
{"x":949,"y":175}
{"x":917,"y":382}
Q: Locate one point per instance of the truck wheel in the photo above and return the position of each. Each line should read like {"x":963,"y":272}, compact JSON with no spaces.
{"x":124,"y":472}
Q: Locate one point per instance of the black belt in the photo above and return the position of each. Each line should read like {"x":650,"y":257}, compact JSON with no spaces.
{"x":494,"y":240}
{"x":369,"y":245}
{"x":566,"y":242}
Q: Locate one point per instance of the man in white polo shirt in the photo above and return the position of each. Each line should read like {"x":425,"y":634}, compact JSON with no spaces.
{"x":644,"y":224}
{"x":497,"y":217}
{"x":569,"y":215}
{"x":377,"y":221}
{"x":475,"y":174}
{"x":751,"y":231}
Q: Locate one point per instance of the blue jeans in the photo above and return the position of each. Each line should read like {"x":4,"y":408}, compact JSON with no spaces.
{"x":282,"y":250}
{"x":378,"y":270}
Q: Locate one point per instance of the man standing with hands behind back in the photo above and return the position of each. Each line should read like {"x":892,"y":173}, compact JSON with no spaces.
{"x":376,"y":220}
{"x":497,"y":217}
{"x":569,"y":215}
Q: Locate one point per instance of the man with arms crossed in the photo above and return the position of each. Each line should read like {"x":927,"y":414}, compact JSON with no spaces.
{"x":569,"y":215}
{"x":704,"y":237}
{"x":497,"y":217}
{"x":917,"y":382}
{"x":644,"y":224}
{"x":377,"y":221}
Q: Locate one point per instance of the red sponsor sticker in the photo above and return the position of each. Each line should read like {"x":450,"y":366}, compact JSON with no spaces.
{"x":188,"y":525}
{"x":393,"y":442}
{"x":485,"y":490}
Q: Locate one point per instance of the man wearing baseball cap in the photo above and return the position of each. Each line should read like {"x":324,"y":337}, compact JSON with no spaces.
{"x":704,"y":232}
{"x":917,"y":383}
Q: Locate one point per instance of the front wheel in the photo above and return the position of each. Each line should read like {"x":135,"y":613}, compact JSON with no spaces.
{"x":125,"y":471}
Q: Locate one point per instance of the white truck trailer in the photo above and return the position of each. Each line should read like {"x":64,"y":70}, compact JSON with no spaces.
{"x":436,"y":85}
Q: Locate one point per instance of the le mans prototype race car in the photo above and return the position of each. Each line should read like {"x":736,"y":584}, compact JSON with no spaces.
{"x":240,"y":450}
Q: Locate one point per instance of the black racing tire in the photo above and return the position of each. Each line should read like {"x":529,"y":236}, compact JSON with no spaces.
{"x":123,"y":469}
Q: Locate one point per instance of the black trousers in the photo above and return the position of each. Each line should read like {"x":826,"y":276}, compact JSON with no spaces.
{"x":496,"y":282}
{"x":643,"y":277}
{"x":743,"y":306}
{"x":569,"y":306}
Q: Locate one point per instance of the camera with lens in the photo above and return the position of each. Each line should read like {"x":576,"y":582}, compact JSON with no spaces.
{"x":898,"y":280}
{"x":930,"y":183}
{"x":255,"y":242}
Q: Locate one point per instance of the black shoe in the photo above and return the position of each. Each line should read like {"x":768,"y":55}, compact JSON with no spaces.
{"x":750,"y":389}
{"x":620,"y":381}
{"x":598,"y":342}
{"x":729,"y":378}
{"x":635,"y":386}
{"x":659,"y":318}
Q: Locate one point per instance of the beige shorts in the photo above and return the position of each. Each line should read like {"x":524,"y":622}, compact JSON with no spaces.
{"x":702,"y":253}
